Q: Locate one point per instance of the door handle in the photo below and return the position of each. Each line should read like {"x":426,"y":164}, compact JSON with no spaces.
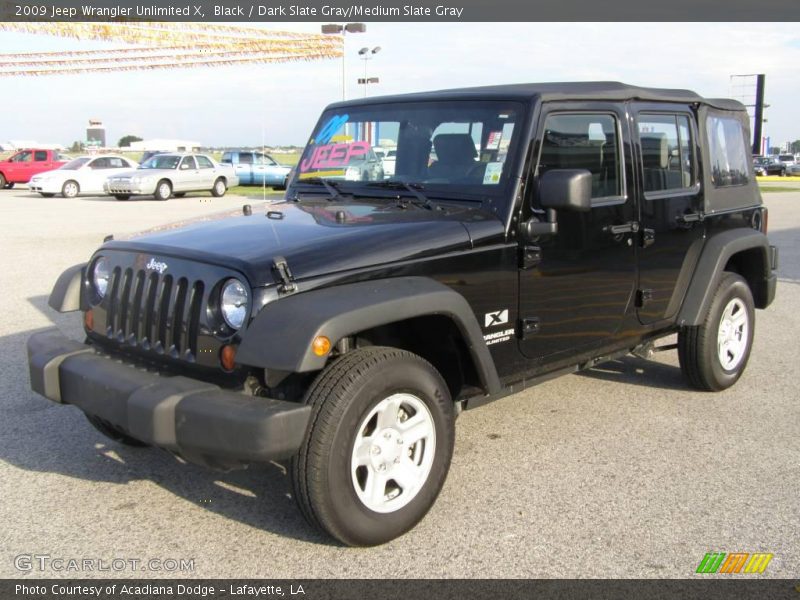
{"x":629,"y":227}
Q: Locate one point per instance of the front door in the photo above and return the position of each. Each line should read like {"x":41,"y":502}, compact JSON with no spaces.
{"x":582,"y":288}
{"x":669,"y":197}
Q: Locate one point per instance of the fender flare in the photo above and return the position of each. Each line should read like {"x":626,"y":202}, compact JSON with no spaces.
{"x":716,"y":252}
{"x":339,"y":311}
{"x":66,"y":294}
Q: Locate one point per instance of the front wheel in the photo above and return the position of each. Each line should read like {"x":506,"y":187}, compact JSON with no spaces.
{"x":163,"y":190}
{"x":4,"y":182}
{"x":714,"y":354}
{"x":379,"y":447}
{"x":70,"y":189}
{"x":219,"y":188}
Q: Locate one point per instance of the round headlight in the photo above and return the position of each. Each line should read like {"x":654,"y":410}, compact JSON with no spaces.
{"x":233,"y":303}
{"x":101,"y":274}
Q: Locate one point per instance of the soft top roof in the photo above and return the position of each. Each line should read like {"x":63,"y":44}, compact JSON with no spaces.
{"x":588,"y":90}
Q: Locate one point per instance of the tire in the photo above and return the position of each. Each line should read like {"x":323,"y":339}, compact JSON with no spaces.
{"x":332,"y":485}
{"x":3,"y":182}
{"x":713,"y":355}
{"x":163,"y":190}
{"x":282,"y":187}
{"x":46,"y":195}
{"x":122,"y":196}
{"x":70,"y":189}
{"x":219,"y":188}
{"x":179,"y":194}
{"x":8,"y":186}
{"x":113,"y":433}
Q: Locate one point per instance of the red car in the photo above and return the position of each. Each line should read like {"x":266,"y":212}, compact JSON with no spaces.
{"x":26,"y":163}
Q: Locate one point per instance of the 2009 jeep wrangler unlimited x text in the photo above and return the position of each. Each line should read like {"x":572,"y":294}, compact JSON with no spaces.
{"x":528,"y":231}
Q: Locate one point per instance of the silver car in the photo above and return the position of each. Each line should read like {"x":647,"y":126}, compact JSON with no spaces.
{"x":174,"y":174}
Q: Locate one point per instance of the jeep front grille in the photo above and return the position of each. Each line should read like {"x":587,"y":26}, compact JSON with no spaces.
{"x":158,"y":313}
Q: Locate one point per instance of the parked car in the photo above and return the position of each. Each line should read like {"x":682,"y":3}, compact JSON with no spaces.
{"x":257,"y":168}
{"x":23,"y":165}
{"x":345,"y":329}
{"x":389,"y":162}
{"x":148,"y":154}
{"x":794,"y":170}
{"x":768,"y":165}
{"x":788,"y":160}
{"x":82,"y":175}
{"x":175,"y":174}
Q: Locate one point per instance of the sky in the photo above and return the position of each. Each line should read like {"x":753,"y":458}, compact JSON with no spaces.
{"x":278,"y":104}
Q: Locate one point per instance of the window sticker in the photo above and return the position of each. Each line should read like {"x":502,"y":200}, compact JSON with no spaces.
{"x":492,"y":174}
{"x":493,"y":143}
{"x":334,"y":155}
{"x":330,"y":128}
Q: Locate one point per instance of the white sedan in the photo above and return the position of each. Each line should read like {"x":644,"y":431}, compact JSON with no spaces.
{"x":82,"y":175}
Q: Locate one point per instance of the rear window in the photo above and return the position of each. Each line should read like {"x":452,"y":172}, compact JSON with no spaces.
{"x":729,"y":155}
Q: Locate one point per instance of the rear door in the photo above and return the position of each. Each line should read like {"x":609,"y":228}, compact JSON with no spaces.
{"x":669,"y":198}
{"x":244,"y":168}
{"x":576,"y":286}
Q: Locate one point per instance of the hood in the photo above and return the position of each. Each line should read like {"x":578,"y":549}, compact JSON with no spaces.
{"x":316,"y":238}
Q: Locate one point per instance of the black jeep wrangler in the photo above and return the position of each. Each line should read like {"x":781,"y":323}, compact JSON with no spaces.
{"x":528,"y":231}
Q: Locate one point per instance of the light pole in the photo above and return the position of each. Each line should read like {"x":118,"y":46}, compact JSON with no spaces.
{"x":367,"y":54}
{"x":336,"y":29}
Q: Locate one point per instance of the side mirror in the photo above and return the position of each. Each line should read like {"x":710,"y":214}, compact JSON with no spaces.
{"x":566,"y":189}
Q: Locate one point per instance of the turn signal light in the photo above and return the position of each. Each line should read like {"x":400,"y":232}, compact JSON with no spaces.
{"x":321,"y":345}
{"x":227,"y":357}
{"x":88,"y":320}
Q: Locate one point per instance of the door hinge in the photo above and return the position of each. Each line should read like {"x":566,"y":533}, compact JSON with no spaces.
{"x":643,"y":297}
{"x":529,"y":326}
{"x":531,"y":256}
{"x":281,"y":268}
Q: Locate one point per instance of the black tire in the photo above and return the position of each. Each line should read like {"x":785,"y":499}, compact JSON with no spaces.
{"x":163,"y":190}
{"x":219,"y":188}
{"x":280,"y":188}
{"x":122,"y":196}
{"x":698,"y":346}
{"x":342,"y":397}
{"x":3,"y":182}
{"x":113,"y":433}
{"x":179,"y":194}
{"x":46,"y":195}
{"x":70,"y":189}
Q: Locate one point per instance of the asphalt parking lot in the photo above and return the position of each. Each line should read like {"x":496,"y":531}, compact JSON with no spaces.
{"x":621,"y":471}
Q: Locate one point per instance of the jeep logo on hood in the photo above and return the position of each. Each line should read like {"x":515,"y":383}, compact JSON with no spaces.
{"x":154,"y":265}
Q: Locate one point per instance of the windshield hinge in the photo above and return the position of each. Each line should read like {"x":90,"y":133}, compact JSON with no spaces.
{"x":281,"y":267}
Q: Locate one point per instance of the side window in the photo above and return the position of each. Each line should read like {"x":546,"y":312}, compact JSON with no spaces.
{"x":226,"y":158}
{"x":99,"y":163}
{"x":115,"y":163}
{"x":40,"y":156}
{"x":667,"y":160}
{"x":188,"y":163}
{"x":23,"y":157}
{"x":245,"y":158}
{"x":727,"y":150}
{"x":584,"y":141}
{"x":204,"y":163}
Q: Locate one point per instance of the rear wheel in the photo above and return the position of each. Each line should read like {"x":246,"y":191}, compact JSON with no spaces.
{"x":379,"y":446}
{"x":713,"y":355}
{"x":163,"y":190}
{"x":70,"y":189}
{"x":219,"y":188}
{"x":112,"y":432}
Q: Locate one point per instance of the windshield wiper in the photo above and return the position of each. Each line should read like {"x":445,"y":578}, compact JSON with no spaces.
{"x":414,"y":188}
{"x":331,"y":187}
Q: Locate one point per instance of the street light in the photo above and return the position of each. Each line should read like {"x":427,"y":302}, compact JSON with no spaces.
{"x":336,"y":29}
{"x":367,"y":54}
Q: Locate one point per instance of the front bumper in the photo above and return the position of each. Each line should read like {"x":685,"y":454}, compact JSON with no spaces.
{"x":199,"y":421}
{"x":44,"y":187}
{"x":125,"y":188}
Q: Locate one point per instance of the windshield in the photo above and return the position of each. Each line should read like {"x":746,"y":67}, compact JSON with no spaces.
{"x":459,"y":146}
{"x":161,"y":161}
{"x":786,"y":157}
{"x":75,"y":164}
